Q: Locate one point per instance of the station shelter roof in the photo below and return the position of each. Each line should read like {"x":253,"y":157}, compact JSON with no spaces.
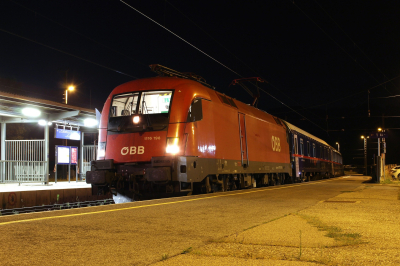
{"x":12,"y":106}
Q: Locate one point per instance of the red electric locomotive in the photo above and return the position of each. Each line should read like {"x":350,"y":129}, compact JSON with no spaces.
{"x":175,"y":134}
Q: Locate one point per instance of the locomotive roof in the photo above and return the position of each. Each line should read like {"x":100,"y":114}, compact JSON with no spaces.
{"x":299,"y":130}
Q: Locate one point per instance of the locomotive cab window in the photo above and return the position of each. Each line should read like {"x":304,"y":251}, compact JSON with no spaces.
{"x":195,"y":111}
{"x":140,"y":111}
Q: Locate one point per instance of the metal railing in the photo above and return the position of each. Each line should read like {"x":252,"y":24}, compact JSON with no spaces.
{"x":89,"y":154}
{"x":12,"y":171}
{"x":24,"y":162}
{"x":25,"y":150}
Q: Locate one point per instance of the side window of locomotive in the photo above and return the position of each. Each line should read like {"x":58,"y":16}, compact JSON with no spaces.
{"x":296,"y":151}
{"x":313,"y":150}
{"x":301,"y":147}
{"x":308,"y":148}
{"x":195,"y":111}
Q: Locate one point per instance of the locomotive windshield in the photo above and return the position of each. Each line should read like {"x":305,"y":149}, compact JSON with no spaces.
{"x":140,"y":111}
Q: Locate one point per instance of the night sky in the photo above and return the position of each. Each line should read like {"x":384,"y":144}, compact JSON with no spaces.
{"x":320,"y":58}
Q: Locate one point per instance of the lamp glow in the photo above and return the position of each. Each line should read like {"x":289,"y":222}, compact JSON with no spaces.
{"x":31,"y":112}
{"x":89,"y":122}
{"x":136,"y":119}
{"x":172,"y":145}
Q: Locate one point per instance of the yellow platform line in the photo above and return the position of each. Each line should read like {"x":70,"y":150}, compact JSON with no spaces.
{"x":160,"y":204}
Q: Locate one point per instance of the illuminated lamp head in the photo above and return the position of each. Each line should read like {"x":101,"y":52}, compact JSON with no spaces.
{"x":136,"y":119}
{"x":172,"y":145}
{"x":31,"y":112}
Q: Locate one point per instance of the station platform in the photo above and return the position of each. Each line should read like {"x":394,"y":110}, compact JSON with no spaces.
{"x":37,"y":194}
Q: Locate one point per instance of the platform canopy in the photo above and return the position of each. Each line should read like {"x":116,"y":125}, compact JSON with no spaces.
{"x":21,"y":109}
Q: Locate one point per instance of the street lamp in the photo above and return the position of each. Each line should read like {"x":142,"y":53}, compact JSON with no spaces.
{"x":70,"y":88}
{"x":338,"y":146}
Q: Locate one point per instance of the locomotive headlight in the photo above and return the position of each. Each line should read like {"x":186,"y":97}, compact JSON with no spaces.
{"x":172,"y":145}
{"x":136,"y":119}
{"x":101,"y":151}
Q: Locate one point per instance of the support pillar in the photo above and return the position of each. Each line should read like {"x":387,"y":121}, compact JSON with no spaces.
{"x":46,"y":153}
{"x":81,"y":157}
{"x":3,"y":152}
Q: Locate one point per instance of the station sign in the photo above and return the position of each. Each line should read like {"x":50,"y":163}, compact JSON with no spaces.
{"x":67,"y":134}
{"x":66,"y":155}
{"x":378,"y":135}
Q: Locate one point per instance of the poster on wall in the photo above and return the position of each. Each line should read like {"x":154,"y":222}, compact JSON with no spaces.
{"x":63,"y":154}
{"x":74,"y":155}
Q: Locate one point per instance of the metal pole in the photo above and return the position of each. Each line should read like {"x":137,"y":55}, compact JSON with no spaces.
{"x":46,"y":153}
{"x":69,"y":166}
{"x":365,"y":156}
{"x":3,"y":152}
{"x":379,"y":147}
{"x":81,"y":159}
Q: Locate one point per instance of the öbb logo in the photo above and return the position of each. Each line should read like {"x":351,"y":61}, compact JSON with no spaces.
{"x":276,"y":144}
{"x":132,"y":150}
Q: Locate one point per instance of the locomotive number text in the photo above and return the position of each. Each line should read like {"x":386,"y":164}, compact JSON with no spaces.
{"x":276,"y":144}
{"x":132,"y":150}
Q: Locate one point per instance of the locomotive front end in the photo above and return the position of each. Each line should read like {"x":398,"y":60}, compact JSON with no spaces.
{"x":137,"y":142}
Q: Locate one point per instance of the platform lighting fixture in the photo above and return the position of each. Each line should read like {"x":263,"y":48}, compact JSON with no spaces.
{"x":31,"y":112}
{"x":43,"y":122}
{"x":90,"y":122}
{"x":379,"y":129}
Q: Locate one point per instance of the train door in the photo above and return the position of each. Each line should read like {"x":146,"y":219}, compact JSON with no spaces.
{"x":296,"y":152}
{"x":243,"y":140}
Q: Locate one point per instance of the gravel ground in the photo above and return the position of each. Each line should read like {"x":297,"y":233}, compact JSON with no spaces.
{"x":358,"y":227}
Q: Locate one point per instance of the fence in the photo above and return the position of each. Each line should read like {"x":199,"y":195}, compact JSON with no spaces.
{"x":89,"y":154}
{"x":24,"y":162}
{"x":22,"y":171}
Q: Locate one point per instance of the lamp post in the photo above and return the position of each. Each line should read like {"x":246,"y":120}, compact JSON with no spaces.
{"x":70,"y":88}
{"x":379,"y":143}
{"x":365,"y":153}
{"x":338,"y":146}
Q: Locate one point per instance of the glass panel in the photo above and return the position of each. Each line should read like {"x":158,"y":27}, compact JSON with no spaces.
{"x":124,"y":104}
{"x":195,"y":111}
{"x":155,"y":102}
{"x":301,"y":147}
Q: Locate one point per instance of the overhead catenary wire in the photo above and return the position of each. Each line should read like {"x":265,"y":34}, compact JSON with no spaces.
{"x":355,"y":44}
{"x":336,"y":43}
{"x":217,"y":61}
{"x":236,"y":57}
{"x":176,"y":35}
{"x":76,"y":32}
{"x":67,"y":53}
